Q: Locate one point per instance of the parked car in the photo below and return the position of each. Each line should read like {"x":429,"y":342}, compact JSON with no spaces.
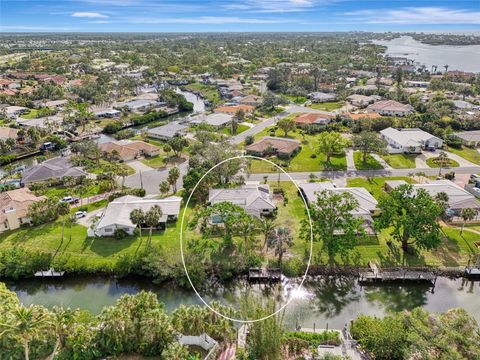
{"x":70,"y":200}
{"x":47,"y":146}
{"x":80,"y":214}
{"x":475,"y":177}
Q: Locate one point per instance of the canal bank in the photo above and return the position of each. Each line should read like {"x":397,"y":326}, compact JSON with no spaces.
{"x":322,"y":301}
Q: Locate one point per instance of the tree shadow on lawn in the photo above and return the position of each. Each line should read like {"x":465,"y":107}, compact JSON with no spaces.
{"x":448,"y":252}
{"x":26,"y":234}
{"x":395,"y":256}
{"x":106,"y":247}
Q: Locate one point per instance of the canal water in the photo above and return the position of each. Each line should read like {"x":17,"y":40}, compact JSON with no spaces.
{"x":464,"y":58}
{"x":321,"y":302}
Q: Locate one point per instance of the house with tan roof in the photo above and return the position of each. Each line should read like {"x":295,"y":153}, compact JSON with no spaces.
{"x":269,"y":145}
{"x":251,"y":100}
{"x":390,"y":108}
{"x":234,"y":108}
{"x":8,"y":133}
{"x":128,"y":150}
{"x":14,"y":206}
{"x":362,"y":116}
{"x":316,"y":119}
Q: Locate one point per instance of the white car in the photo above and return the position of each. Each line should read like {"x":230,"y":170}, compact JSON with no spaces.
{"x":80,"y":214}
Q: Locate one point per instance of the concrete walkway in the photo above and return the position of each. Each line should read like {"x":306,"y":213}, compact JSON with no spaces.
{"x":381,"y":161}
{"x":350,"y":161}
{"x":421,"y":161}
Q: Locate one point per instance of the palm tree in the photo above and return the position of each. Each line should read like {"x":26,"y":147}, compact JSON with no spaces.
{"x":279,"y":239}
{"x":63,"y":210}
{"x":172,"y":178}
{"x":446,"y":67}
{"x":442,"y":200}
{"x":245,"y":226}
{"x":164,"y":187}
{"x":267,"y":225}
{"x":152,"y":217}
{"x":467,"y":215}
{"x":122,"y":171}
{"x":442,"y":161}
{"x":62,"y":321}
{"x":26,"y":325}
{"x":137,"y":217}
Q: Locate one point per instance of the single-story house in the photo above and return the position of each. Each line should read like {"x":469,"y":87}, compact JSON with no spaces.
{"x":362,"y":100}
{"x":217,"y":120}
{"x":107,"y":114}
{"x":167,"y":131}
{"x":129,"y":150}
{"x":8,"y":133}
{"x":420,"y":84}
{"x":139,"y":105}
{"x":234,"y":108}
{"x":117,"y":214}
{"x":317,"y":119}
{"x":367,"y":204}
{"x":458,"y":198}
{"x":409,"y":140}
{"x":55,"y":168}
{"x":56,"y":104}
{"x":14,"y":206}
{"x":14,"y":111}
{"x":390,"y":108}
{"x":465,"y":105}
{"x":270,"y":145}
{"x":469,"y":138}
{"x":251,"y":100}
{"x":54,"y":122}
{"x":320,"y":97}
{"x":256,"y":200}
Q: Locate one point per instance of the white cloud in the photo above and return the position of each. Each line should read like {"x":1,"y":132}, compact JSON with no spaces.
{"x":417,"y":15}
{"x":86,"y":14}
{"x":274,"y":6}
{"x":215,"y":20}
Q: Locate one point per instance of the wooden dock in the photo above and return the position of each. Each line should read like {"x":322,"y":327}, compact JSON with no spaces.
{"x":374,"y":274}
{"x":50,"y":273}
{"x":263,"y":274}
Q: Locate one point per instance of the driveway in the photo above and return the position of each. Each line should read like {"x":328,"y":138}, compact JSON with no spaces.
{"x":381,"y":161}
{"x":138,"y":166}
{"x":350,"y":161}
{"x":461,"y":161}
{"x":87,"y":220}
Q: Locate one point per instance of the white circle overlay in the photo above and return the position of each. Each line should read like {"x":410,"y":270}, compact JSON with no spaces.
{"x":311,"y":240}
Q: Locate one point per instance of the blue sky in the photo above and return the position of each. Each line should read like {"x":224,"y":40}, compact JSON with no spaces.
{"x":238,"y":15}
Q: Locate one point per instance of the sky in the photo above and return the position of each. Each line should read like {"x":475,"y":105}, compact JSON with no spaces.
{"x":238,"y":15}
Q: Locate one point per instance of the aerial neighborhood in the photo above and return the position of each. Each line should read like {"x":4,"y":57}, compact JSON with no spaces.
{"x":236,"y":157}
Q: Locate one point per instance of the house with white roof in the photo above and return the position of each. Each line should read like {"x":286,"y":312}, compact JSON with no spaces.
{"x":409,"y":140}
{"x":458,"y":198}
{"x":117,"y":214}
{"x":367,"y":204}
{"x":217,"y":120}
{"x":256,"y":200}
{"x":167,"y":131}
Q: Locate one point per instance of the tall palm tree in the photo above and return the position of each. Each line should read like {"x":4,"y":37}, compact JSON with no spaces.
{"x":26,"y":325}
{"x":467,"y":215}
{"x":442,"y":161}
{"x":164,"y":187}
{"x":137,"y":217}
{"x":152,"y":217}
{"x":173,"y":175}
{"x":62,"y":321}
{"x":280,"y":239}
{"x":63,"y":210}
{"x":446,"y":67}
{"x":267,"y":225}
{"x":246,"y":226}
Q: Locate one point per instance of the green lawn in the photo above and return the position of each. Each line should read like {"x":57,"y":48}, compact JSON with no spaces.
{"x":296,"y":99}
{"x":60,"y":192}
{"x":400,"y":161}
{"x":308,"y":159}
{"x":432,"y":162}
{"x":90,"y":254}
{"x":467,"y":153}
{"x":328,"y":106}
{"x":376,"y":185}
{"x":240,"y":129}
{"x":155,"y":162}
{"x":209,"y":92}
{"x":370,"y":164}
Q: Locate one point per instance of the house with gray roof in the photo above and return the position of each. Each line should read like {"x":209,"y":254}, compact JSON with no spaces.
{"x":117,"y":214}
{"x":139,"y":105}
{"x":409,"y":140}
{"x":469,"y":138}
{"x":55,"y":168}
{"x":458,"y":198}
{"x":167,"y":131}
{"x":256,"y":200}
{"x":320,"y":97}
{"x":367,"y":204}
{"x":217,"y":120}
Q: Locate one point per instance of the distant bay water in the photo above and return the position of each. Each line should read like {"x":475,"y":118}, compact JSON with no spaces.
{"x":464,"y":58}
